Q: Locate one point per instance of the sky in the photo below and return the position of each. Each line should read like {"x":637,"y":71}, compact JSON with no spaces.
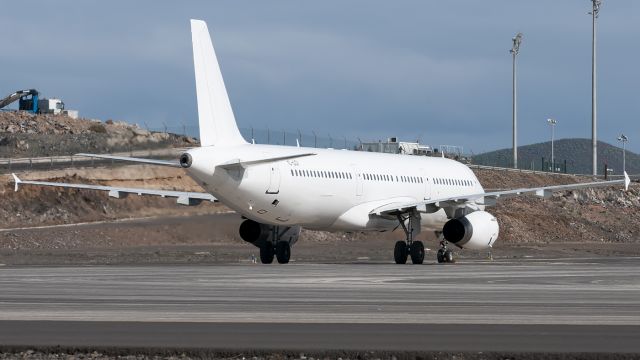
{"x":437,"y":71}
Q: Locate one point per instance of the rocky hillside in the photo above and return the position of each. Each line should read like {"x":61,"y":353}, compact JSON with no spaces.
{"x":24,"y":134}
{"x":595,"y":215}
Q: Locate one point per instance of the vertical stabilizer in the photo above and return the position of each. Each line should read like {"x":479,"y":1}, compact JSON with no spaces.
{"x":217,"y":123}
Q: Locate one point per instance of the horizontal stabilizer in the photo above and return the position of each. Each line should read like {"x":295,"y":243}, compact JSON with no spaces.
{"x":173,"y":163}
{"x":234,"y":164}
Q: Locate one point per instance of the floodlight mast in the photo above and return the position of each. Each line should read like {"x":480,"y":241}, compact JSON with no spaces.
{"x":515,"y":49}
{"x":594,"y":116}
{"x":553,"y":123}
{"x":623,"y":138}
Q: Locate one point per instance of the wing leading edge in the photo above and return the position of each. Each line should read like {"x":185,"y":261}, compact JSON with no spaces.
{"x":490,"y":198}
{"x":183,"y":197}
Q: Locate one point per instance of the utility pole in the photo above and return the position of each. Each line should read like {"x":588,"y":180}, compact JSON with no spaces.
{"x":622,"y":138}
{"x":515,"y":49}
{"x":553,"y":123}
{"x":594,"y":140}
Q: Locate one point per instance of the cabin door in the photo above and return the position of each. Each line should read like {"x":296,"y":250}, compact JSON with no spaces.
{"x":427,"y":185}
{"x":358,"y":178}
{"x":274,"y":179}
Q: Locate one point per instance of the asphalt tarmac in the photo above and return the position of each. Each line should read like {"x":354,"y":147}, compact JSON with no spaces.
{"x":563,"y":305}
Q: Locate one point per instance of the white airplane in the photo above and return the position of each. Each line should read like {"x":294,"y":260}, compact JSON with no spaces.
{"x":280,"y":189}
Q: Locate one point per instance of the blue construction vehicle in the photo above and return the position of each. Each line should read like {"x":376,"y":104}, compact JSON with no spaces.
{"x":28,"y":100}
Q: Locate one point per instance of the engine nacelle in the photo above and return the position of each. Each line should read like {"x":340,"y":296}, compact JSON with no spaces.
{"x":258,"y":234}
{"x":478,"y":230}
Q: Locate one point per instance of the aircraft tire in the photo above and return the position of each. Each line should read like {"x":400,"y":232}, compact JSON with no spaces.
{"x":400,"y":252}
{"x":448,"y":256}
{"x":283,"y":252}
{"x":266,"y":253}
{"x":417,"y":252}
{"x":440,"y":256}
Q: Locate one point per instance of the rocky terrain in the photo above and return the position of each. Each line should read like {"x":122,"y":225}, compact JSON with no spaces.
{"x":23,"y":134}
{"x":603,"y":215}
{"x":602,"y":221}
{"x":136,"y":229}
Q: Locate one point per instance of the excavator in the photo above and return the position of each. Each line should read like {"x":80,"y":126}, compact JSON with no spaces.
{"x":28,"y":100}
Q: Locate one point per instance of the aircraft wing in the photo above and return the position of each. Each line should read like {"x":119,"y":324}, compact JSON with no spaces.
{"x":172,"y":163}
{"x":490,"y":198}
{"x":183,"y":197}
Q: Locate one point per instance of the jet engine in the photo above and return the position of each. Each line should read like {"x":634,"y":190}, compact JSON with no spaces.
{"x":478,"y":230}
{"x":257,"y":233}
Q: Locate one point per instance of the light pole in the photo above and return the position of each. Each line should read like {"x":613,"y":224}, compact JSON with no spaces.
{"x":623,"y":138}
{"x":594,"y":142}
{"x":515,"y":49}
{"x":553,"y":123}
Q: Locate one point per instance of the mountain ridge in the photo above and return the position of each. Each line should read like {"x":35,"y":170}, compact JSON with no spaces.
{"x":576,"y":152}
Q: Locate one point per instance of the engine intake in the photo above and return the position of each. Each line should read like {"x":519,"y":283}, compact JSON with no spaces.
{"x":257,"y":234}
{"x":478,"y":230}
{"x":254,"y":232}
{"x":186,"y":160}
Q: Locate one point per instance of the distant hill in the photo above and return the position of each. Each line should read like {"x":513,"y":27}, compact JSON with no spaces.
{"x":577,"y":153}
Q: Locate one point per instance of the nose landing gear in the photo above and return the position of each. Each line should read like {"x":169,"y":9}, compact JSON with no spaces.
{"x":444,"y":255}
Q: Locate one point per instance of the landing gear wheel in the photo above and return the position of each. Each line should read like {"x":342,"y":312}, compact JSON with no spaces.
{"x":448,"y":256}
{"x":266,"y":253}
{"x":283,"y":252}
{"x":400,"y":252}
{"x":416,"y":250}
{"x":445,"y":256}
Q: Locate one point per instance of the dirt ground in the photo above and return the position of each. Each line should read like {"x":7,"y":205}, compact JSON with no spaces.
{"x":39,"y":225}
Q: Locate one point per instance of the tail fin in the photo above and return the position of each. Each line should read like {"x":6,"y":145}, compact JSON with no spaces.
{"x":217,"y":123}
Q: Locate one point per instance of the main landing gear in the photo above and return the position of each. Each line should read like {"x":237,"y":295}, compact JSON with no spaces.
{"x":409,"y":247}
{"x":281,"y":251}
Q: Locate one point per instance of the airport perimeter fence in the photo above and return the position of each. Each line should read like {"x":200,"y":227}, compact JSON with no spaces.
{"x":276,"y":137}
{"x":540,"y":165}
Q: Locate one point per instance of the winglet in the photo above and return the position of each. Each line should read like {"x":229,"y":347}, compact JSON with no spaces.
{"x":627,"y":181}
{"x":16,"y":180}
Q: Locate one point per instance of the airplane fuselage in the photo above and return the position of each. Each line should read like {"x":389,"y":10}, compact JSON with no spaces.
{"x":331,"y":190}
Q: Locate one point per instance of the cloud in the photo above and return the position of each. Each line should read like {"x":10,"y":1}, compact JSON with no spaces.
{"x":365,"y":69}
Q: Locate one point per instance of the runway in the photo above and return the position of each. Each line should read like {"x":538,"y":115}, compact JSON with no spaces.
{"x":560,"y":305}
